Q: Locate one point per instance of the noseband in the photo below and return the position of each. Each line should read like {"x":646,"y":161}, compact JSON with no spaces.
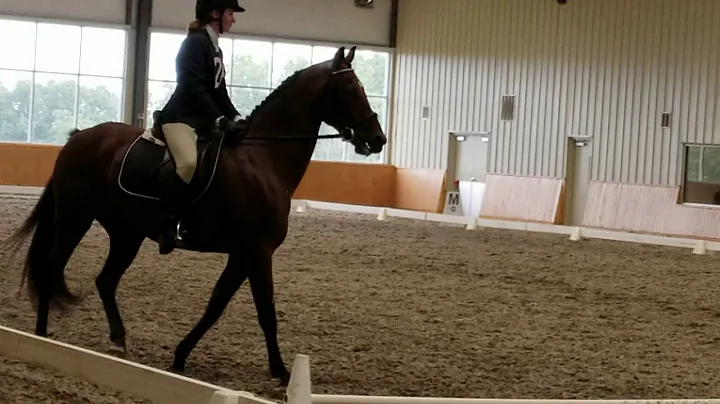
{"x":348,"y":134}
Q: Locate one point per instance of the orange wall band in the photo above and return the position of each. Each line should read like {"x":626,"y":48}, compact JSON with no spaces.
{"x":353,"y":183}
{"x":627,"y":207}
{"x":26,"y":165}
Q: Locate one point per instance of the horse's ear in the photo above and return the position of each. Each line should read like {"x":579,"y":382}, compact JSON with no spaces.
{"x":339,"y":58}
{"x":350,"y":56}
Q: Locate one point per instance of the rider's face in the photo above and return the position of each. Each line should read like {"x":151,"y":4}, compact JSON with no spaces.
{"x":228,"y":19}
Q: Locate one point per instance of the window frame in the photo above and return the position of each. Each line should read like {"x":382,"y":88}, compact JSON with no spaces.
{"x":686,"y":148}
{"x":389,"y":68}
{"x":126,"y":57}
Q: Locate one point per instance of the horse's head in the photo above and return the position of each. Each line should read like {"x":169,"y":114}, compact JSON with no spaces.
{"x":344,"y":105}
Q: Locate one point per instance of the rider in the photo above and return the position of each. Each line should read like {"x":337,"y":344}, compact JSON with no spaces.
{"x":199,"y":103}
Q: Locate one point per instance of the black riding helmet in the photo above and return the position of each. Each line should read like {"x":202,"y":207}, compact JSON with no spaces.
{"x":204,"y":9}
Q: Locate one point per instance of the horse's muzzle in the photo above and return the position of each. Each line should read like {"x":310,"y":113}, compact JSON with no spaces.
{"x":363,"y":145}
{"x":377,"y":142}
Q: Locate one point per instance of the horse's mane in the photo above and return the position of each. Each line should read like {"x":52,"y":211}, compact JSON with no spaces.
{"x":275,"y":94}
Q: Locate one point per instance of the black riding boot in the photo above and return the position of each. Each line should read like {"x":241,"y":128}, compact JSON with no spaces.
{"x":168,"y":237}
{"x":174,"y":196}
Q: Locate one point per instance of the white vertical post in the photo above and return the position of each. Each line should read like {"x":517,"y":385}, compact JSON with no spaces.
{"x":299,"y":389}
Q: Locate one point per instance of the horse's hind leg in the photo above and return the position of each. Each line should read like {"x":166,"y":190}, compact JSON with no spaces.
{"x":68,"y":234}
{"x":229,"y":282}
{"x":124,"y":247}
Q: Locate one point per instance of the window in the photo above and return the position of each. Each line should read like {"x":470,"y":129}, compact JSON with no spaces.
{"x":256,"y":67}
{"x":702,"y":174}
{"x":61,"y":76}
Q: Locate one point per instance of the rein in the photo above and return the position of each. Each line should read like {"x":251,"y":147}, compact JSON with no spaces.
{"x":345,"y":137}
{"x":255,"y":140}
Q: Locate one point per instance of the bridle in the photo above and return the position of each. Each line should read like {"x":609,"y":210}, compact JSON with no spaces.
{"x":347,"y":134}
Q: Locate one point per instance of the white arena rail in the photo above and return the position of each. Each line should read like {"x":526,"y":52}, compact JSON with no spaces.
{"x":299,"y":392}
{"x":104,"y":370}
{"x":698,"y":246}
{"x":167,"y":388}
{"x":575,"y":233}
{"x":331,"y":399}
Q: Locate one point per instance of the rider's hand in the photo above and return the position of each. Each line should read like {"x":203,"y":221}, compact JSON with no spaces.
{"x":231,"y":127}
{"x":238,"y":126}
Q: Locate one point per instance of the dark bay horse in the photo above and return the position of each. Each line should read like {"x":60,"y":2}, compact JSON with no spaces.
{"x":243,"y":188}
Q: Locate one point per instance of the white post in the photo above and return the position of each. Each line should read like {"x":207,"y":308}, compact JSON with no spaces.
{"x":237,"y":397}
{"x":382,"y":215}
{"x":301,"y":206}
{"x":700,"y":247}
{"x":576,"y":234}
{"x":299,"y":389}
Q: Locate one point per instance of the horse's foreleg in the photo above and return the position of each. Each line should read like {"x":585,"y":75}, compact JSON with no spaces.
{"x":261,"y":283}
{"x":229,"y":282}
{"x":123,"y":250}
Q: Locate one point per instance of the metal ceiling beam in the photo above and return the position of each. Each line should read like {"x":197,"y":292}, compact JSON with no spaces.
{"x":393,"y":23}
{"x":141,"y":50}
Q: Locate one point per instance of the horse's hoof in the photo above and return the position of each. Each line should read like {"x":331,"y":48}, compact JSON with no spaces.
{"x":284,"y":378}
{"x":119,"y":342}
{"x":118,"y":338}
{"x":117,"y":352}
{"x":178,"y":366}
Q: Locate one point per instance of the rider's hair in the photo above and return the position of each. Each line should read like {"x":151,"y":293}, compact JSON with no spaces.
{"x":194,"y":26}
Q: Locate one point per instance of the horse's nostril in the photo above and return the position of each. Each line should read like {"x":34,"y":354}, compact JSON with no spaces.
{"x":379,"y":140}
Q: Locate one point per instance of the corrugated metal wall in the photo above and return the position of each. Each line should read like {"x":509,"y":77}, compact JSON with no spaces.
{"x":606,"y":68}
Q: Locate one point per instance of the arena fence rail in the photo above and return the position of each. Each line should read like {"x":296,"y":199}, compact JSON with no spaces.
{"x":165,"y":388}
{"x":104,"y":370}
{"x":299,"y":392}
{"x":327,"y":399}
{"x":575,"y":233}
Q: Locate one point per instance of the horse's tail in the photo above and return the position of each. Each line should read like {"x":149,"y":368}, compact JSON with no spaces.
{"x":44,"y":280}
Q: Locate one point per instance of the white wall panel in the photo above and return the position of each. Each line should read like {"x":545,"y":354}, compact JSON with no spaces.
{"x":606,"y":68}
{"x":106,"y":11}
{"x":320,"y":20}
